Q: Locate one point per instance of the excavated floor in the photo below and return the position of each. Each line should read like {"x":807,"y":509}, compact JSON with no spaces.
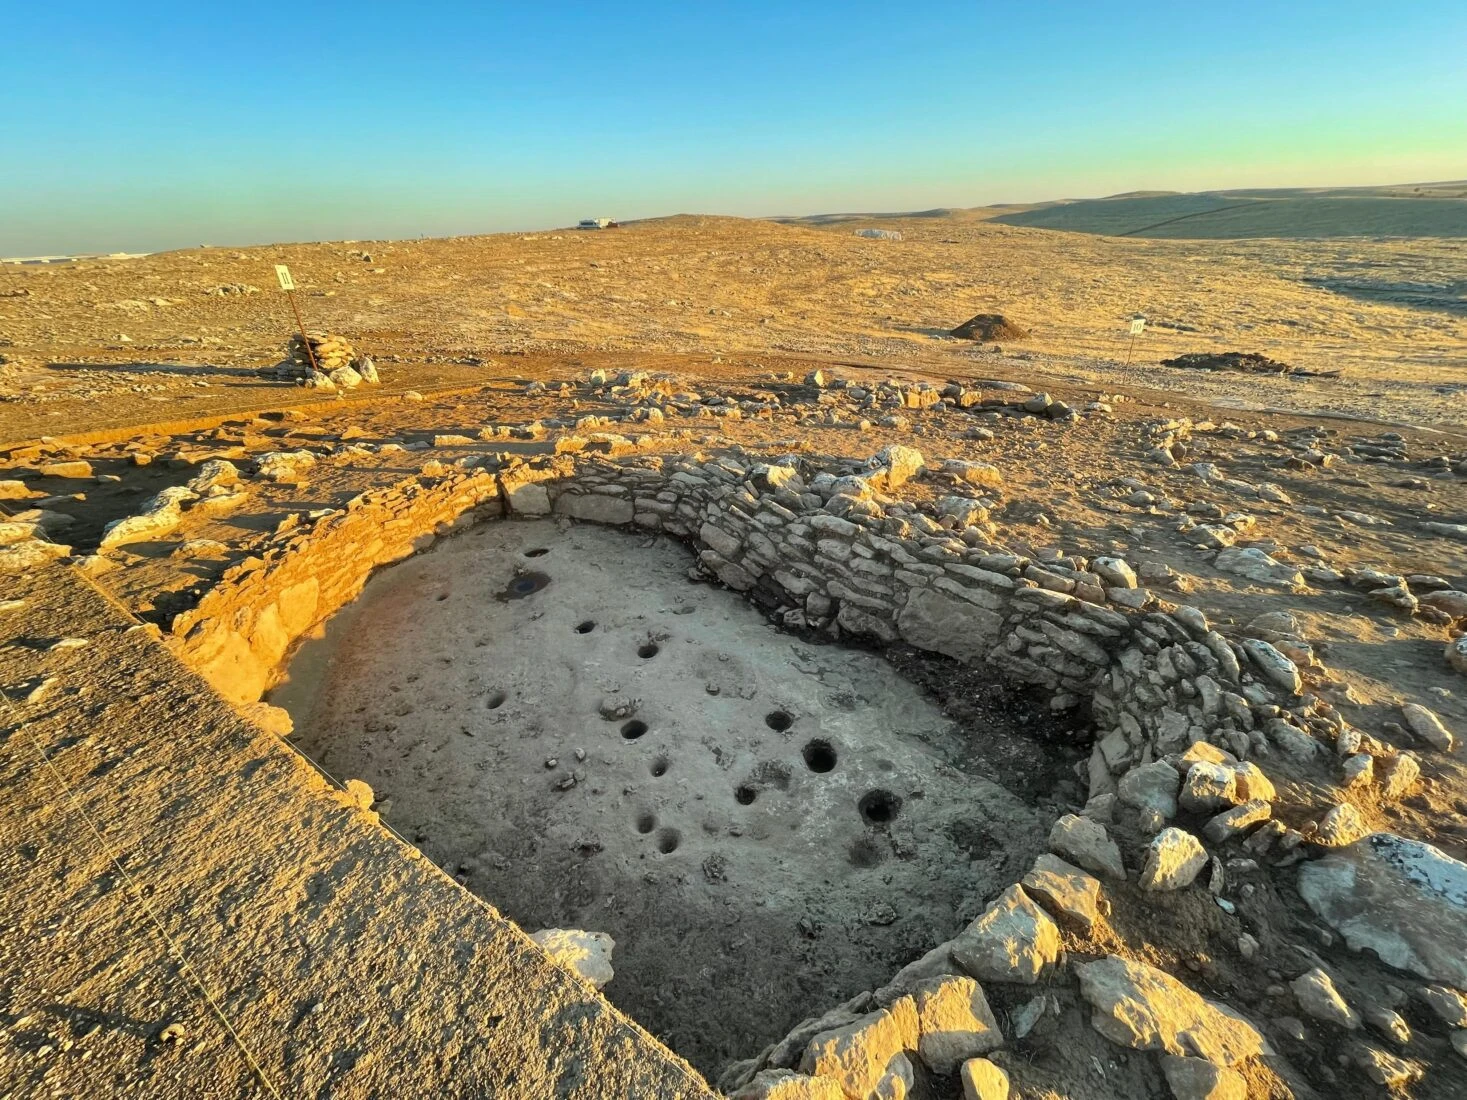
{"x":587,"y":738}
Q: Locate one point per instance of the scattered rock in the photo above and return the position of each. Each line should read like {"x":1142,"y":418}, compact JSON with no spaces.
{"x":954,"y":1022}
{"x":1067,"y":892}
{"x":1013,"y":941}
{"x":1427,"y":727}
{"x":866,"y":1058}
{"x":587,"y":954}
{"x":1199,"y":1079}
{"x":982,"y":1080}
{"x":1141,"y":1007}
{"x":1318,"y":997}
{"x":1173,"y":860}
{"x":1086,"y":843}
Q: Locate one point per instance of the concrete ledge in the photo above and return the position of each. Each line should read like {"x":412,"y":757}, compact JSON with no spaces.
{"x":349,"y":966}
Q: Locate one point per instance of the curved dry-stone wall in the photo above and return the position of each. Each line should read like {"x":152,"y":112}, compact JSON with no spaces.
{"x":1178,"y":708}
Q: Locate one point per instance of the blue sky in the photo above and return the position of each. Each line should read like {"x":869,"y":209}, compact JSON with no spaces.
{"x":156,"y":125}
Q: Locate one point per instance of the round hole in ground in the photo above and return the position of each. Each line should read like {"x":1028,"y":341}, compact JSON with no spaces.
{"x":647,"y":650}
{"x":879,"y":807}
{"x":633,"y":729}
{"x":819,"y":755}
{"x":586,"y":627}
{"x":442,"y":596}
{"x":659,"y":767}
{"x":779,"y":720}
{"x":646,"y":822}
{"x":745,"y":794}
{"x":537,"y":552}
{"x":526,"y":584}
{"x":496,"y":700}
{"x":668,"y":840}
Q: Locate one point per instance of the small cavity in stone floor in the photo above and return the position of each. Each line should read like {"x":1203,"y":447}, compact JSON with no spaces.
{"x":559,"y":717}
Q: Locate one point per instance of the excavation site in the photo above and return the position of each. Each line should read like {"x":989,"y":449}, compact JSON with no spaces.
{"x":623,"y":699}
{"x":559,"y":717}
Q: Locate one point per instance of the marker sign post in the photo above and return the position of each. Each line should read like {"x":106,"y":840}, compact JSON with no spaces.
{"x":1138,"y":326}
{"x":287,"y":284}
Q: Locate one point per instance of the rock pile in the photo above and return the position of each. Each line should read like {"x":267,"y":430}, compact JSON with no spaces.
{"x":337,"y":364}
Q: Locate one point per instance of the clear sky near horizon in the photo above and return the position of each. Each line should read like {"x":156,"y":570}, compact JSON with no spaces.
{"x":158,"y":125}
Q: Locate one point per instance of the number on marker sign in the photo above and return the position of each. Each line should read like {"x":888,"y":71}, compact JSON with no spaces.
{"x":1138,"y":326}
{"x":283,"y":274}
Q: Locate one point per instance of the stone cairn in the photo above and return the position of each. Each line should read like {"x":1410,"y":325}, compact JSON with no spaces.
{"x":337,"y":364}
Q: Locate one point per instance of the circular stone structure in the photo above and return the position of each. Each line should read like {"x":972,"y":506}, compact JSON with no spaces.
{"x":765,"y":826}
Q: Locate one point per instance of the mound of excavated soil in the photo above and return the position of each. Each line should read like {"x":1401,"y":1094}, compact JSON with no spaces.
{"x":988,"y":327}
{"x":1247,"y":361}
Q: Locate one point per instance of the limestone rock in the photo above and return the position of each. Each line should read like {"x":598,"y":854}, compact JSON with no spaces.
{"x":782,"y":1084}
{"x":1151,"y":787}
{"x":1067,"y":892}
{"x":1237,"y":820}
{"x":1013,"y":941}
{"x":1173,"y":860}
{"x":1382,"y":1067}
{"x":28,"y":554}
{"x":1258,"y":567}
{"x":866,"y":1058}
{"x":1086,"y":843}
{"x":1208,"y":788}
{"x":954,"y":1022}
{"x":1402,"y":899}
{"x":1275,"y":667}
{"x":285,"y":466}
{"x":587,"y":954}
{"x":1342,"y":825}
{"x":933,"y":620}
{"x":1199,"y":1079}
{"x":1448,"y":1005}
{"x":159,"y":515}
{"x":1317,"y":995}
{"x":1397,"y":775}
{"x":896,"y":465}
{"x":982,"y":474}
{"x":1427,"y":726}
{"x":982,"y":1080}
{"x":1114,"y":572}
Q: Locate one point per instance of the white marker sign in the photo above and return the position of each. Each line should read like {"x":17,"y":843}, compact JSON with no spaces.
{"x":283,"y":274}
{"x":1138,"y":324}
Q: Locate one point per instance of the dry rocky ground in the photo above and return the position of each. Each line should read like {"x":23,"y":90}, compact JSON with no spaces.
{"x":1232,"y":625}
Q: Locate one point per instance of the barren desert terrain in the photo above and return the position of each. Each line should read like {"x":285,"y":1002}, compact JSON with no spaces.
{"x":913,"y":712}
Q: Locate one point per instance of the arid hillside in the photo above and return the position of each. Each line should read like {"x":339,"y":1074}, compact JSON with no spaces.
{"x":1390,"y":314}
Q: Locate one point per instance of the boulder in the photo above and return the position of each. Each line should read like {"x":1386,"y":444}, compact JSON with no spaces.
{"x":934,"y":620}
{"x":896,"y":465}
{"x":1448,"y":1005}
{"x":587,"y":954}
{"x":1114,"y":572}
{"x":1173,"y":860}
{"x":982,"y":474}
{"x":1141,"y":1007}
{"x":982,"y":1080}
{"x":1277,"y":669}
{"x":284,"y":466}
{"x":867,"y":1058}
{"x":1254,"y":565}
{"x":1151,"y":787}
{"x":1013,"y":941}
{"x":1402,"y":899}
{"x":1427,"y":727}
{"x":1318,"y":997}
{"x":1086,"y":843}
{"x":1069,"y":894}
{"x":1199,"y":1079}
{"x":954,"y":1022}
{"x":159,"y":515}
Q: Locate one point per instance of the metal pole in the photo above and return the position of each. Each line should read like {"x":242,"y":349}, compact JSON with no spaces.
{"x":302,"y":326}
{"x":1130,"y":348}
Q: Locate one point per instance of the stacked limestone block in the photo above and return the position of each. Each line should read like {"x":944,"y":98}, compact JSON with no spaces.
{"x":337,"y":364}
